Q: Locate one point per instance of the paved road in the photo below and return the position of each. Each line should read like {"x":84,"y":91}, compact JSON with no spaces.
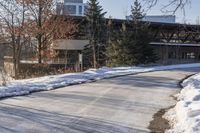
{"x":120,"y":105}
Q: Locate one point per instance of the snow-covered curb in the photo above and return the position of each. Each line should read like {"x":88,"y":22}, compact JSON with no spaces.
{"x":186,"y":114}
{"x":22,"y":87}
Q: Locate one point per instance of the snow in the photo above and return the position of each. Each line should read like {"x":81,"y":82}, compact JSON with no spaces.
{"x":23,"y":87}
{"x":186,"y":114}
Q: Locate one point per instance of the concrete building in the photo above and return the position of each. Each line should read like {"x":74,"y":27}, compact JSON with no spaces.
{"x":71,"y":7}
{"x":77,"y":8}
{"x":69,"y":53}
{"x":161,"y":18}
{"x":174,"y":43}
{"x":158,"y":18}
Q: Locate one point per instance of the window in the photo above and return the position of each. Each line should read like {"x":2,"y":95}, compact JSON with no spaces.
{"x":73,"y":1}
{"x":172,"y":55}
{"x":186,"y":55}
{"x":80,"y":9}
{"x":70,"y":9}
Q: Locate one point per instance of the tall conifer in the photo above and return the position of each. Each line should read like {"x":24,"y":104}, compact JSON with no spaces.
{"x":95,"y":16}
{"x":140,"y":49}
{"x":132,"y":47}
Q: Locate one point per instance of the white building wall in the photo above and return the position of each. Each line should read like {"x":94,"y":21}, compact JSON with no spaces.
{"x":159,"y":18}
{"x":78,"y":3}
{"x":62,"y":7}
{"x":163,"y":19}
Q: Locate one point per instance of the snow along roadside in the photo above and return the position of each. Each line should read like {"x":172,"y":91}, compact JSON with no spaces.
{"x":23,"y":87}
{"x":185,"y":117}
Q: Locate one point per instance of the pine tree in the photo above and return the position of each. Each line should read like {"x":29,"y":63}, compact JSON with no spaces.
{"x":141,"y":52}
{"x":117,"y":52}
{"x":136,"y":12}
{"x":95,"y":16}
{"x":131,"y":47}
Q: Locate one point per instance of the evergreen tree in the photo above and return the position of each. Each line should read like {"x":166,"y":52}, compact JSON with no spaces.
{"x":117,"y":53}
{"x":95,"y":16}
{"x":136,"y":12}
{"x":140,"y":37}
{"x":134,"y":47}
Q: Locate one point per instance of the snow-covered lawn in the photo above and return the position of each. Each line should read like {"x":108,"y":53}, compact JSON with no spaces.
{"x":22,"y":87}
{"x":186,"y":114}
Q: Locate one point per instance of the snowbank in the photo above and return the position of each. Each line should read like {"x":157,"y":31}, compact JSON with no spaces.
{"x":187,"y":110}
{"x":22,"y":87}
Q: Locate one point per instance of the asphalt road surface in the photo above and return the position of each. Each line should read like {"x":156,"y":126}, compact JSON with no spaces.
{"x":119,"y":105}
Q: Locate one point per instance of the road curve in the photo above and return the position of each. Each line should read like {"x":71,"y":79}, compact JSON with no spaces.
{"x":119,"y":105}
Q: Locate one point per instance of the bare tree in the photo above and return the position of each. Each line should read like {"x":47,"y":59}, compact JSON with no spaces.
{"x":174,"y":5}
{"x":46,"y":26}
{"x":12,"y":15}
{"x":22,"y":20}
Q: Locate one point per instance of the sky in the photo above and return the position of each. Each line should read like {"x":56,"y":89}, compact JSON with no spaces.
{"x":121,"y":8}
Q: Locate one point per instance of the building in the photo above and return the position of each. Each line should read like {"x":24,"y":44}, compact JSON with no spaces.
{"x":174,"y":43}
{"x":161,"y":18}
{"x":77,"y":8}
{"x":158,"y":18}
{"x":69,"y":53}
{"x":71,"y":7}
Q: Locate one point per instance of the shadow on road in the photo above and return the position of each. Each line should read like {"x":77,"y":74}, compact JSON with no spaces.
{"x":55,"y":122}
{"x":152,"y":82}
{"x":143,"y":93}
{"x":108,"y":102}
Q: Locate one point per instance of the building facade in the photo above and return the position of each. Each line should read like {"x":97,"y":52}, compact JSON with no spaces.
{"x":174,"y":43}
{"x":77,"y":8}
{"x":158,"y":18}
{"x":71,"y":7}
{"x":69,"y":53}
{"x":161,"y":18}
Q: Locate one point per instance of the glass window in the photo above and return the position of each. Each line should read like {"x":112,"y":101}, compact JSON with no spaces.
{"x":172,"y":55}
{"x":70,"y":9}
{"x":80,"y":9}
{"x":186,"y":55}
{"x":73,"y":1}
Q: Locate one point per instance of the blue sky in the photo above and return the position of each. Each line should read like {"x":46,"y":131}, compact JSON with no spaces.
{"x":121,"y":8}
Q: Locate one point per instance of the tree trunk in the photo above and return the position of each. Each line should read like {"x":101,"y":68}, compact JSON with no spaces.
{"x":14,"y":64}
{"x":39,"y":35}
{"x":16,"y":68}
{"x":39,"y":49}
{"x":94,"y":56}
